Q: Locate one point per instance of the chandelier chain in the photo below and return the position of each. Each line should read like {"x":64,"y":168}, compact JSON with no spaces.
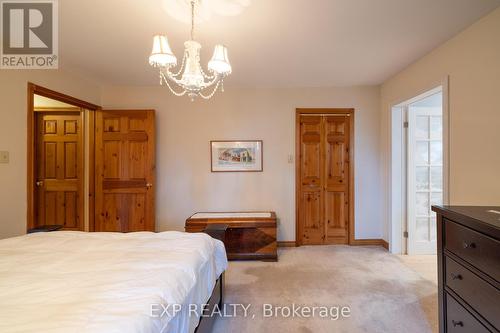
{"x":192,"y":19}
{"x":208,"y":77}
{"x":212,"y":93}
{"x":182,"y":93}
{"x":183,"y":63}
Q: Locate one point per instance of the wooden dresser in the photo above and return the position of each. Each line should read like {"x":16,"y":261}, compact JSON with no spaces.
{"x":249,"y":235}
{"x":468,"y":268}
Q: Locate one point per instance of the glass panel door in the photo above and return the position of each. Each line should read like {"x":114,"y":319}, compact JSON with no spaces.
{"x":425,"y":172}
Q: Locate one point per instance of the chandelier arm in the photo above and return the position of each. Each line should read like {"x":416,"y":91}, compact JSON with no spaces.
{"x":174,"y":92}
{"x":162,"y":75}
{"x":206,"y":76}
{"x":182,"y":66}
{"x":171,"y":77}
{"x":215,"y":80}
{"x":212,"y":93}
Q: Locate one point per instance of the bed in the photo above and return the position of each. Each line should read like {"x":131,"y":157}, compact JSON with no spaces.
{"x":70,"y":281}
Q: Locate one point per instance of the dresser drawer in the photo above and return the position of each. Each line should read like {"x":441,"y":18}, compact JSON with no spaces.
{"x":459,"y":320}
{"x":479,"y":294}
{"x":479,"y":250}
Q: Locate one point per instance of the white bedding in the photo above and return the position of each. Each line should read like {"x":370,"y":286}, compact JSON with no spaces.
{"x":105,"y":282}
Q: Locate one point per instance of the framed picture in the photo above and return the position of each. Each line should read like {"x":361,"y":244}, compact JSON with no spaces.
{"x":227,"y":156}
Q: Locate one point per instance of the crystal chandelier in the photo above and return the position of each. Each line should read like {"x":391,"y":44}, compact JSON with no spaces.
{"x":190,"y":77}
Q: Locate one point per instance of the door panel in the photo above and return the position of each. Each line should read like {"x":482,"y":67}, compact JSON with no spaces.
{"x":111,"y":157}
{"x":137,"y":159}
{"x":125,"y":170}
{"x":70,"y":202}
{"x":313,"y":227}
{"x":310,"y":151}
{"x":59,"y":170}
{"x":336,"y":217}
{"x":324,"y":179}
{"x":70,"y":160}
{"x":49,"y":153}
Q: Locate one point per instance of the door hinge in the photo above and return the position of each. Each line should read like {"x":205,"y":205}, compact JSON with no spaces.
{"x":405,"y":124}
{"x":405,"y":234}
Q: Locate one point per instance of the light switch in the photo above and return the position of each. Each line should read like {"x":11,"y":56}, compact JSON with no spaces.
{"x":4,"y":157}
{"x":290,"y":158}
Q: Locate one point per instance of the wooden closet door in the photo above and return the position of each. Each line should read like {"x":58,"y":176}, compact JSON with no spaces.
{"x":59,"y":183}
{"x":311,"y":180}
{"x":336,"y":180}
{"x":125,"y":165}
{"x":323,"y":187}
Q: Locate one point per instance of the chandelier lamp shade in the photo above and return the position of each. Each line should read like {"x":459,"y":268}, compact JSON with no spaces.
{"x":190,"y":79}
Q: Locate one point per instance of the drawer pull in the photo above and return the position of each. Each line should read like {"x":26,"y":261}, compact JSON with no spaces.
{"x":469,"y":245}
{"x":456,"y":276}
{"x":457,"y":323}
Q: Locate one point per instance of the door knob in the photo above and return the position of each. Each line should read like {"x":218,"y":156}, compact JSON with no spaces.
{"x":148,"y":185}
{"x":39,"y":183}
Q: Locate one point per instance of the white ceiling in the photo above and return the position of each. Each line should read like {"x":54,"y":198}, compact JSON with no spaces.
{"x":278,"y":43}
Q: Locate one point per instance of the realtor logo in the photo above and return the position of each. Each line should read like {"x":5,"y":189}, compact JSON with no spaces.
{"x":29,"y":35}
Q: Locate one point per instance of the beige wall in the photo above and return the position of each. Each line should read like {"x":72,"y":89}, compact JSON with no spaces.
{"x":184,"y":129}
{"x":185,"y":184}
{"x":13,"y":136}
{"x":472,"y":61}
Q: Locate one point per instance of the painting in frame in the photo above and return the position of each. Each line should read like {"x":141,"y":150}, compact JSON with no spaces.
{"x":236,"y":156}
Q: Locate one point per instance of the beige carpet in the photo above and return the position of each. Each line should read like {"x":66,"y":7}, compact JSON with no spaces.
{"x":383,"y":292}
{"x":425,"y":265}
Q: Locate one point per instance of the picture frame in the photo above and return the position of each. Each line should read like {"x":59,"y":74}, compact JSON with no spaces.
{"x":236,"y":155}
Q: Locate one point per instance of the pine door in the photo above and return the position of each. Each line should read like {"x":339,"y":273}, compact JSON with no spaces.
{"x":125,"y":165}
{"x":59,"y":165}
{"x":323,"y":186}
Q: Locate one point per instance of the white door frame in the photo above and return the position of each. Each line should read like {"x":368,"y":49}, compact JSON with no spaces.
{"x":398,"y":157}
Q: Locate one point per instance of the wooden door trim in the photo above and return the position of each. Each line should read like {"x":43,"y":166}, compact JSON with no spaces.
{"x":31,"y":144}
{"x":325,"y":111}
{"x":91,"y":182}
{"x":56,"y":109}
{"x":39,"y":90}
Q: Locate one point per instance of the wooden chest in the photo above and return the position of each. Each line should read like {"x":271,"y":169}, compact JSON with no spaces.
{"x":468,"y":268}
{"x":250,"y":235}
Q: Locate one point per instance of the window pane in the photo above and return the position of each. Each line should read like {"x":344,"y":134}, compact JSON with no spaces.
{"x":436,"y":127}
{"x":436,"y":198}
{"x":422,"y":178}
{"x":422,"y":127}
{"x":436,"y":152}
{"x":432,"y":229}
{"x":422,"y":204}
{"x":422,"y":153}
{"x":422,"y":229}
{"x":436,"y":178}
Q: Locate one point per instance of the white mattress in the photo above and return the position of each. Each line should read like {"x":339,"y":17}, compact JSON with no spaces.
{"x":230,"y":215}
{"x":105,"y":282}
